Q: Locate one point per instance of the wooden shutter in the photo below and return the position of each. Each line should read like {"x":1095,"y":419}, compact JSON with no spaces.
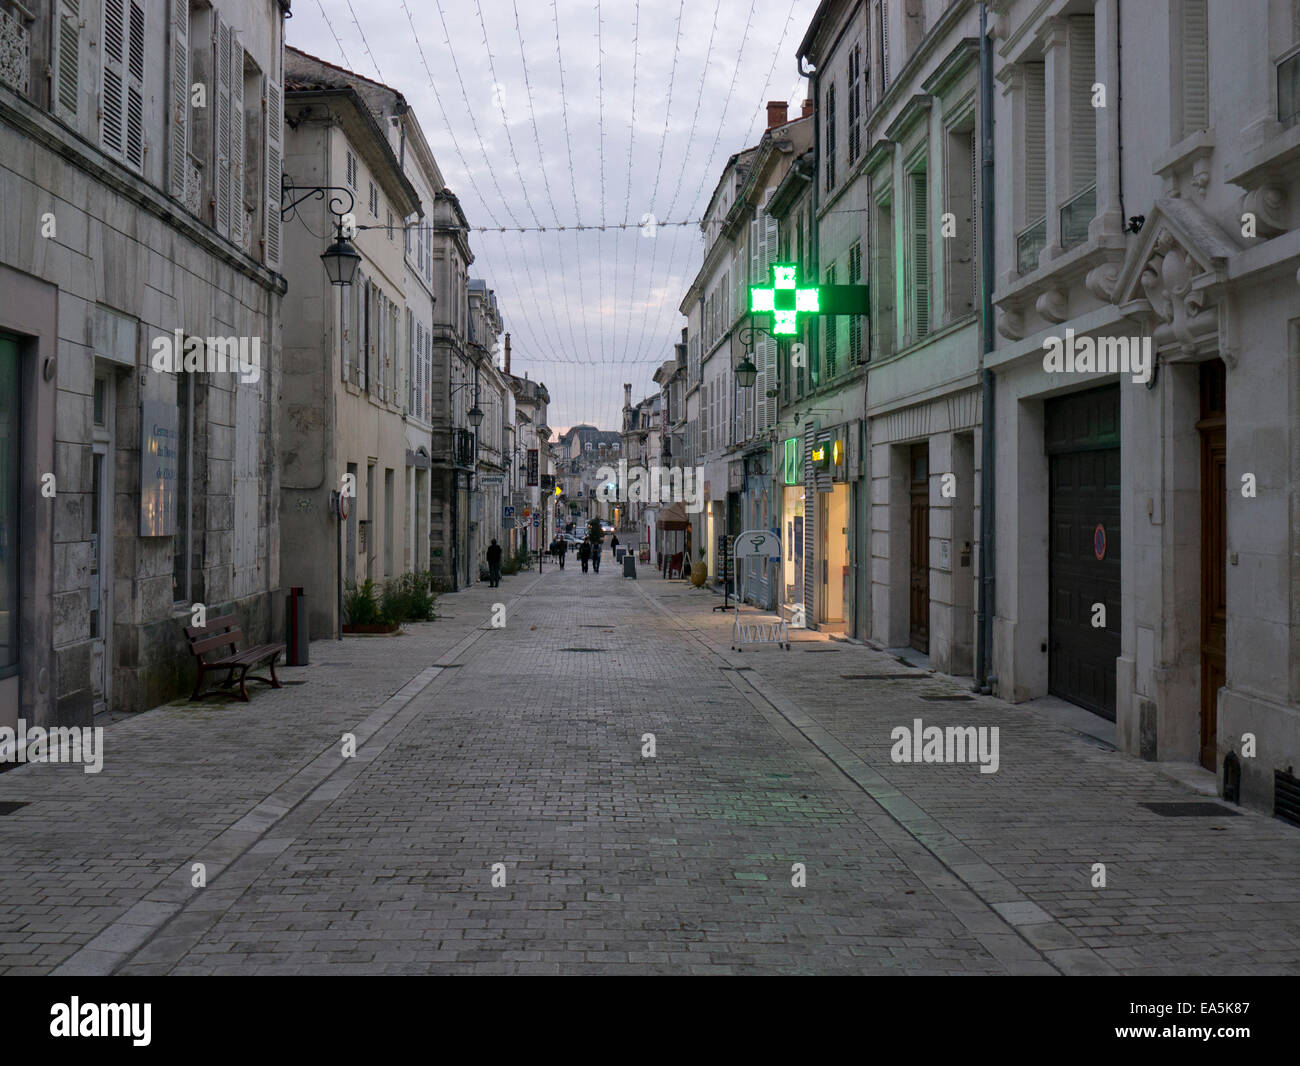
{"x":236,"y":141}
{"x":347,"y":297}
{"x":274,"y":141}
{"x":1083,"y":116}
{"x":1196,"y":66}
{"x":67,"y":61}
{"x":134,"y":144}
{"x":177,"y":149}
{"x":428,"y":376}
{"x":809,"y":523}
{"x":1035,"y":143}
{"x":920,"y":254}
{"x":113,"y":123}
{"x":884,"y":46}
{"x":224,"y":190}
{"x":768,"y":365}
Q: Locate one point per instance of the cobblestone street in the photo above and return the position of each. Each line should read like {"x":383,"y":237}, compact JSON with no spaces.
{"x":523,"y":746}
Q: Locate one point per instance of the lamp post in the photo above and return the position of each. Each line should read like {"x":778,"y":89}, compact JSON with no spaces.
{"x":340,"y":258}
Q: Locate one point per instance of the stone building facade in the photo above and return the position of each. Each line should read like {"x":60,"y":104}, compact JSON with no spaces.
{"x":138,"y":226}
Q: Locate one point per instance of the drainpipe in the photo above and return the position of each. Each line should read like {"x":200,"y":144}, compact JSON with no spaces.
{"x":814,"y":379}
{"x":984,"y":680}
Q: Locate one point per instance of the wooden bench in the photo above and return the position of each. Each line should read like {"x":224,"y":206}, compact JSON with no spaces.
{"x":207,"y":644}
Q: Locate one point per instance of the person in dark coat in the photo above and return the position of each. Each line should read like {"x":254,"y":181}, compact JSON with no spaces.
{"x":559,"y":549}
{"x":584,"y":554}
{"x":494,"y":563}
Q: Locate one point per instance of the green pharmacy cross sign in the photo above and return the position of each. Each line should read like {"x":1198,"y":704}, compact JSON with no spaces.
{"x":785,"y":300}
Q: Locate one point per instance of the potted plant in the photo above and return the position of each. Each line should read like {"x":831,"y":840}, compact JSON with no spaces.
{"x":699,"y":571}
{"x":365,"y":613}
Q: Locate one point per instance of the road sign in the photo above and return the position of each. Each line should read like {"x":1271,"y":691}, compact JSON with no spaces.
{"x":537,"y":520}
{"x":510,"y":512}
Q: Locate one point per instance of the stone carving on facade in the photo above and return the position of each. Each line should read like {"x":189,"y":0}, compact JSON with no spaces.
{"x":1268,"y":203}
{"x":1011,"y":323}
{"x":1168,"y":279}
{"x":1053,"y":305}
{"x":1101,"y":281}
{"x":15,"y":53}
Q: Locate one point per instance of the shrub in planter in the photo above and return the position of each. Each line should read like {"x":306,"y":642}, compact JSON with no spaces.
{"x":361,"y":607}
{"x":408,"y":598}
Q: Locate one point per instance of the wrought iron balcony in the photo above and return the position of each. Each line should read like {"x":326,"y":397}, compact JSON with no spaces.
{"x":462,"y":443}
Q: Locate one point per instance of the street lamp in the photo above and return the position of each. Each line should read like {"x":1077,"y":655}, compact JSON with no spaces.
{"x":746,"y":373}
{"x":475,"y":415}
{"x":340,"y":258}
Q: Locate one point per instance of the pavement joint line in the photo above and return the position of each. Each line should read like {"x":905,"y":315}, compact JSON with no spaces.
{"x":118,"y":942}
{"x":1074,"y":959}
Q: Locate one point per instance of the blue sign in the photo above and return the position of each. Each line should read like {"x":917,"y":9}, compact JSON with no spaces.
{"x":537,"y":520}
{"x":510,"y":512}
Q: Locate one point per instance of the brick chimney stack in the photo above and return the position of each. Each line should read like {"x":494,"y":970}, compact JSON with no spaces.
{"x":806,"y":109}
{"x":507,"y":367}
{"x":776,"y":113}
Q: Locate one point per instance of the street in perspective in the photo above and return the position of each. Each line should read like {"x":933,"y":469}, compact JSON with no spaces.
{"x":786,"y":488}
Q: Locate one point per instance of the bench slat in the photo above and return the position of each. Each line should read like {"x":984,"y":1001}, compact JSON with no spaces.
{"x":221,"y":622}
{"x":218,"y":640}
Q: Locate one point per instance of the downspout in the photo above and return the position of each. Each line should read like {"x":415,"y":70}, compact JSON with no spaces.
{"x":984,"y":679}
{"x":814,"y":228}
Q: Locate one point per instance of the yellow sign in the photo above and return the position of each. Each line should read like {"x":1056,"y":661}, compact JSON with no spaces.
{"x":819,"y":454}
{"x":837,"y":453}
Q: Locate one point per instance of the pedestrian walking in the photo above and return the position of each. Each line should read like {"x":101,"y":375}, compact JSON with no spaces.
{"x":613,"y":543}
{"x":595,"y":557}
{"x":584,"y":554}
{"x":494,"y":563}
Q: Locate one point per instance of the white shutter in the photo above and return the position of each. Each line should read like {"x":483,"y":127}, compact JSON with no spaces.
{"x":134,"y":146}
{"x":347,"y":297}
{"x":67,"y":61}
{"x":884,"y":46}
{"x":177,"y":161}
{"x":236,"y":141}
{"x":113,"y":122}
{"x":428,"y":376}
{"x":223,"y":187}
{"x":1196,"y":71}
{"x":412,"y":362}
{"x":768,"y":420}
{"x":920,"y":255}
{"x":1083,"y":116}
{"x":1035,"y":143}
{"x":274,"y":138}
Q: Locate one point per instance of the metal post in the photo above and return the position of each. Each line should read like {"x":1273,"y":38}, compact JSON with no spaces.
{"x":984,"y":647}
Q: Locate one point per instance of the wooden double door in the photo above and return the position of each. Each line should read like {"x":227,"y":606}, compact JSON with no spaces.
{"x":1213,"y":429}
{"x":919,"y":561}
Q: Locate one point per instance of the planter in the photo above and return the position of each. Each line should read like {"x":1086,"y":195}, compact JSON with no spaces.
{"x":699,"y":574}
{"x":373,"y":630}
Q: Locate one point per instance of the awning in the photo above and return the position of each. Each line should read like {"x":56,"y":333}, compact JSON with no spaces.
{"x":674,"y":517}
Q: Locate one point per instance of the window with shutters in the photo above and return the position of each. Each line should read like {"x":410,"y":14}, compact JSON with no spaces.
{"x":347,"y":326}
{"x":1081,"y":196}
{"x":919,"y":253}
{"x":178,"y":99}
{"x":1191,"y":68}
{"x":374,"y":201}
{"x":123,"y":86}
{"x":855,"y":103}
{"x":253,"y":127}
{"x":1032,"y":238}
{"x":855,"y":321}
{"x":68,"y":49}
{"x":390,"y":224}
{"x":351,"y":170}
{"x":1288,"y":74}
{"x":960,"y":169}
{"x":830,"y":349}
{"x":829,"y":149}
{"x":882,"y":44}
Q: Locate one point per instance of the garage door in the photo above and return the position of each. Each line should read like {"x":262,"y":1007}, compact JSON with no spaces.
{"x":1082,"y":432}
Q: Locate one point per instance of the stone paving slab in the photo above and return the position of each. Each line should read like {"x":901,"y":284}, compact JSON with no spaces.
{"x":522,"y":747}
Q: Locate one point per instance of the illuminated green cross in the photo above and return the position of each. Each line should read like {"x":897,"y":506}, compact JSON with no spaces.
{"x":784,"y":300}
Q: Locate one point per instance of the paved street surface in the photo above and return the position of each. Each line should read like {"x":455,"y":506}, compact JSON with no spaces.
{"x":523,"y":747}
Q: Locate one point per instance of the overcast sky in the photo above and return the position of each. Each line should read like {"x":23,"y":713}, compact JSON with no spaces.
{"x":587,"y":310}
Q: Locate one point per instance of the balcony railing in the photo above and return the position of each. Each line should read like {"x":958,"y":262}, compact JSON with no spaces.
{"x":1029,"y":245}
{"x":462,"y":442}
{"x":15,"y":52}
{"x":1076,"y":214}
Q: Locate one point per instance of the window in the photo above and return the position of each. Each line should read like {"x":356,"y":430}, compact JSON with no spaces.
{"x":883,"y":41}
{"x":830,"y":137}
{"x":388,"y":521}
{"x":1192,"y":68}
{"x":1032,"y":238}
{"x":352,"y":171}
{"x":829,"y":353}
{"x":10,"y":504}
{"x":390,"y":225}
{"x":187,"y":551}
{"x":855,"y":321}
{"x":122,"y":89}
{"x":374,"y":201}
{"x":855,"y":103}
{"x":959,"y":248}
{"x":919,"y":247}
{"x":1081,"y":201}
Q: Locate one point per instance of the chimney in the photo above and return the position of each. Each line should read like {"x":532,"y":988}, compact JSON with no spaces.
{"x":627,"y":395}
{"x":806,"y":109}
{"x":776,"y":113}
{"x":507,"y":367}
